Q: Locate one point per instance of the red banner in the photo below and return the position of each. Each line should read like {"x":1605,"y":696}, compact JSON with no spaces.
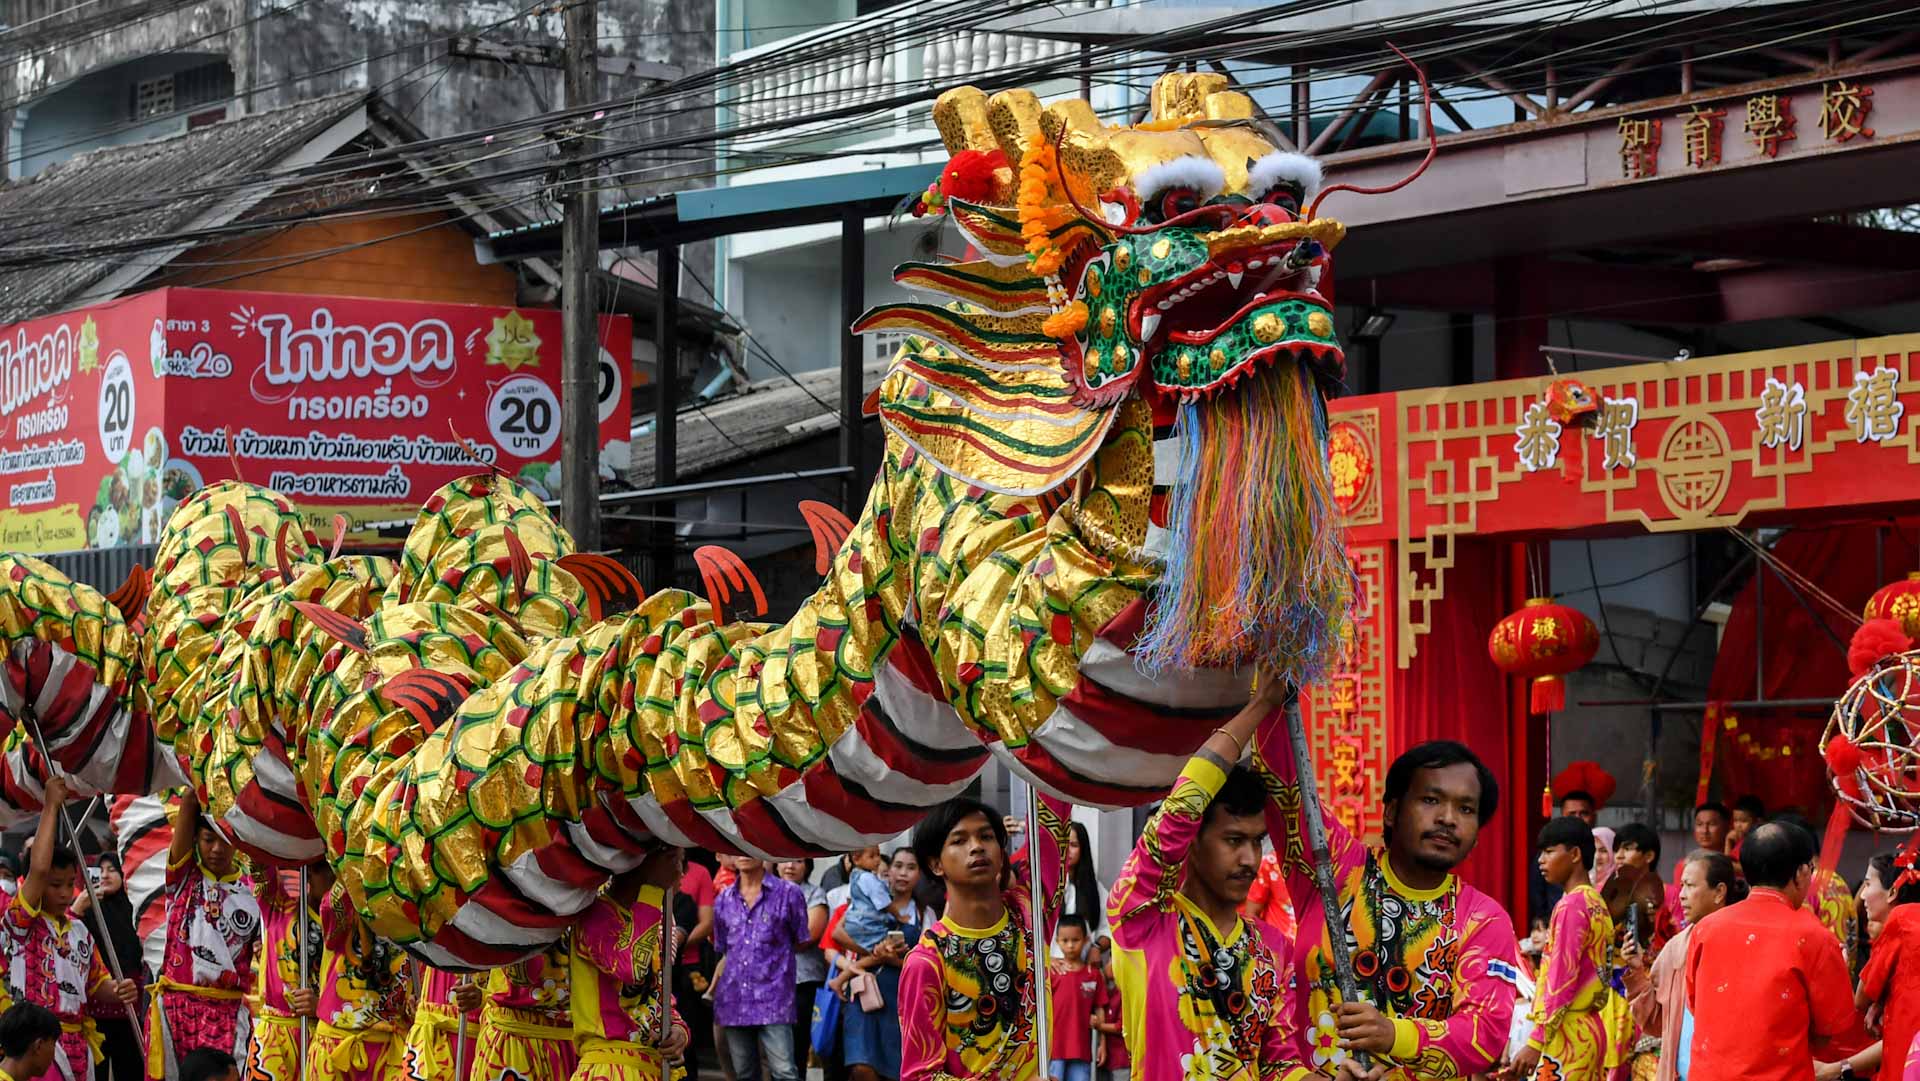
{"x":346,"y":405}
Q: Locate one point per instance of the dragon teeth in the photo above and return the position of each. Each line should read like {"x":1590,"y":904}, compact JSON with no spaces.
{"x":1233,"y":278}
{"x":1148,"y":324}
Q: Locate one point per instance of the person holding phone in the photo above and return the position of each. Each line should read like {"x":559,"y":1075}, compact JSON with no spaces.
{"x":871,"y":1040}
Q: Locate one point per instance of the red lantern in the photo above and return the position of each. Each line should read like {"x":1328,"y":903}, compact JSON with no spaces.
{"x":1898,"y":601}
{"x":1543,"y":641}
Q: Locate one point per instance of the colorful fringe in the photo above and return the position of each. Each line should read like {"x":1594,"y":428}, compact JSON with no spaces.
{"x":1256,"y":572}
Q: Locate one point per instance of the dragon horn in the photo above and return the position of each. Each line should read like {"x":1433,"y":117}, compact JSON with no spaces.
{"x":1433,"y":143}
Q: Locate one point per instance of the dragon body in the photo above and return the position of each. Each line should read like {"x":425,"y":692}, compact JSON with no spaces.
{"x":1103,"y":504}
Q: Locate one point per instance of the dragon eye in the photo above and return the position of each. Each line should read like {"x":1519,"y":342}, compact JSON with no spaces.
{"x":1285,"y":196}
{"x":1176,"y":201}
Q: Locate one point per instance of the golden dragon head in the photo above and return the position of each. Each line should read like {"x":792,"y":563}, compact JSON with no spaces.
{"x":1177,"y":261}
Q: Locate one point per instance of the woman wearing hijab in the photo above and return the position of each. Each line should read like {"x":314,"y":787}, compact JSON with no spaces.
{"x":113,"y":927}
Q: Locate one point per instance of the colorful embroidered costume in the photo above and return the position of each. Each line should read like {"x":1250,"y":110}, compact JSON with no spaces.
{"x":1429,"y":959}
{"x":1197,"y":1002}
{"x":433,"y":1042}
{"x":273,"y":1054}
{"x":366,"y":1002}
{"x":1582,"y":1027}
{"x":966,"y":993}
{"x":213,"y":923}
{"x":526,"y":1027}
{"x":52,"y":962}
{"x":616,"y":990}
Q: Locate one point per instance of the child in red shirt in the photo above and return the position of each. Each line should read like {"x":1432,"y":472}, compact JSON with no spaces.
{"x":1079,"y":996}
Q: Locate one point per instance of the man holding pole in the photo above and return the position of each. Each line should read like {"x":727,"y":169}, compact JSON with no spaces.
{"x":51,"y":959}
{"x":620,"y":1008}
{"x":1433,"y":955}
{"x":1203,"y":991}
{"x":213,"y":923}
{"x":286,"y":992}
{"x":445,"y":1026}
{"x":969,"y":997}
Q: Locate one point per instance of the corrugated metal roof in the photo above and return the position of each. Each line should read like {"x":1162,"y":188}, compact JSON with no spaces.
{"x":769,"y":415}
{"x":107,"y":195}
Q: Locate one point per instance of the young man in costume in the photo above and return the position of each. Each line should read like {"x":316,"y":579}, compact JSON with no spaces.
{"x":526,"y":1026}
{"x":967,"y":988}
{"x":213,"y":925}
{"x":1763,"y":976}
{"x":273,"y":1054}
{"x":51,"y":958}
{"x":434,"y":1041}
{"x":1582,"y":1030}
{"x":1203,"y":991}
{"x":366,"y":1001}
{"x":617,"y":977}
{"x":1434,"y":956}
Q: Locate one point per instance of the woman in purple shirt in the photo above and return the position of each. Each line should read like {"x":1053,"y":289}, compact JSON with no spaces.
{"x":759,"y":923}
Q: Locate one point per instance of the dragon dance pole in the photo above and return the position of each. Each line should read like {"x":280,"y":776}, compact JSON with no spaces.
{"x":306,"y":918}
{"x":1316,"y":827}
{"x":668,"y":933}
{"x":459,"y":1041}
{"x":80,"y":857}
{"x":1039,"y":958}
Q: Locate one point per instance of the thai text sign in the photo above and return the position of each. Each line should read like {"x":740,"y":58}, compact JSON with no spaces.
{"x":346,"y":405}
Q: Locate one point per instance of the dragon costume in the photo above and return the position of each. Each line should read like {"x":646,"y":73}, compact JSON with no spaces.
{"x":1104,"y":501}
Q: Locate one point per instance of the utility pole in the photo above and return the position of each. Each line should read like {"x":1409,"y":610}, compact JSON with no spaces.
{"x":580,"y":257}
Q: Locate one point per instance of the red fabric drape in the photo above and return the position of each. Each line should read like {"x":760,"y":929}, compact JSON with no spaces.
{"x":1774,"y":753}
{"x":1453,"y":691}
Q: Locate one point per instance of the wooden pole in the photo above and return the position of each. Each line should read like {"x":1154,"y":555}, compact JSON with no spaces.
{"x":304,"y":930}
{"x":580,"y":317}
{"x":1042,"y":1012}
{"x":668,"y":933}
{"x":1316,"y":827}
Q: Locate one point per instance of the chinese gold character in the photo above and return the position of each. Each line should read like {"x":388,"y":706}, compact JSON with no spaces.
{"x":1873,"y":405}
{"x":1782,"y":414}
{"x":1702,"y":131}
{"x":1843,"y":110}
{"x":1618,"y":417}
{"x":1770,"y":121}
{"x":1639,"y":147}
{"x":1537,"y":439}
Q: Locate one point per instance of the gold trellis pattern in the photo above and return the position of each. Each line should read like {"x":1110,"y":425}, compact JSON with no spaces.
{"x":1698,"y":443}
{"x":1347,"y":715}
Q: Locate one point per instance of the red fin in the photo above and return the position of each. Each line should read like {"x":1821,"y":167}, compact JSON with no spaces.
{"x":725,"y":577}
{"x":280,"y":557}
{"x":240,"y":537}
{"x":339,"y":536}
{"x":522,"y":562}
{"x":500,"y":614}
{"x":611,"y":587}
{"x":430,"y":697}
{"x":233,"y":455}
{"x":870,"y":405}
{"x":131,"y":597}
{"x":344,"y":629}
{"x":830,"y":530}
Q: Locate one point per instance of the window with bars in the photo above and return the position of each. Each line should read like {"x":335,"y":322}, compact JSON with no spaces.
{"x":181,"y":90}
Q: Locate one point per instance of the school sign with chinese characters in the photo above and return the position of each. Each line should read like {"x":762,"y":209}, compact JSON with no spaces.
{"x":1741,"y":440}
{"x":1785,"y":118}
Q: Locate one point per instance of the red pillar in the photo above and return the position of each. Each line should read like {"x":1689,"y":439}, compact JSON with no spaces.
{"x":1519,"y":330}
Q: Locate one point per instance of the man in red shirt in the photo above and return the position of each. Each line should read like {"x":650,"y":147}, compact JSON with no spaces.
{"x":1764,"y":976}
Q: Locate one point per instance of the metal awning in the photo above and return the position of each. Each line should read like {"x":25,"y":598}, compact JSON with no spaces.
{"x":703,"y":214}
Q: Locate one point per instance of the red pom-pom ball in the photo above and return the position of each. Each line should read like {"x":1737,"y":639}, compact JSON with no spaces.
{"x":1876,"y":640}
{"x":970,"y":175}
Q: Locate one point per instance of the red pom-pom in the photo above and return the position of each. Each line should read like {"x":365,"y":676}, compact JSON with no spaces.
{"x":1844,"y":760}
{"x":970,"y":175}
{"x":1586,"y":776}
{"x":1876,"y":640}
